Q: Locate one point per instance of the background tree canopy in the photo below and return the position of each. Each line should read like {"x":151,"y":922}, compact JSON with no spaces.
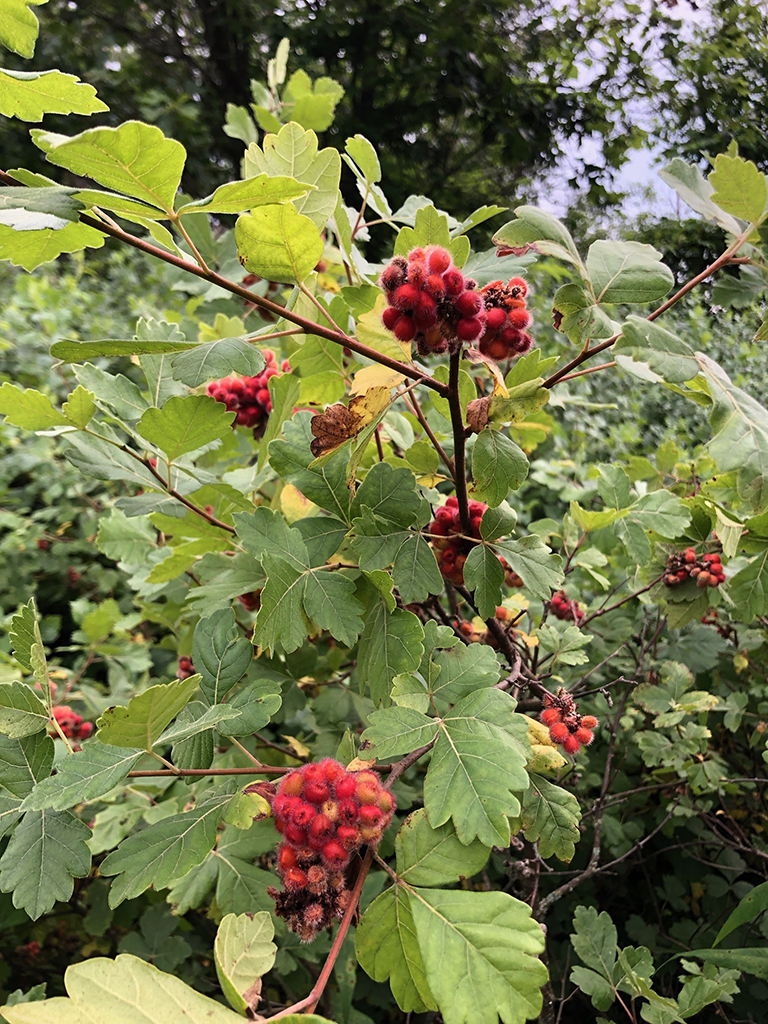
{"x":467,"y":102}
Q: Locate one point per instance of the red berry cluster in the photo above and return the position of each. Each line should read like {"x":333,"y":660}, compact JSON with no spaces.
{"x":324,"y":814}
{"x":249,"y":396}
{"x":564,"y":608}
{"x":566,"y":726}
{"x":686,"y":565}
{"x":452,"y":546}
{"x":506,"y":320}
{"x":431,"y":301}
{"x":185,"y":669}
{"x":72,"y":724}
{"x":711,"y":618}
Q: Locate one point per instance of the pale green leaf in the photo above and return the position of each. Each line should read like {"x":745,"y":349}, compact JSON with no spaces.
{"x":236,"y":196}
{"x":30,"y":249}
{"x":740,"y":188}
{"x":550,"y":816}
{"x":243,"y":951}
{"x":217,"y":359}
{"x":663,"y":353}
{"x":694,"y":189}
{"x":627,"y":272}
{"x":29,"y":409}
{"x":480,"y":955}
{"x":140,"y":723}
{"x":748,"y":961}
{"x":31,"y":94}
{"x":397,"y":730}
{"x":85,"y":775}
{"x":278,"y":243}
{"x":539,"y":231}
{"x":435,"y":856}
{"x":293,"y":152}
{"x":185,"y":424}
{"x":19,"y":26}
{"x":36,"y":209}
{"x":123,"y":539}
{"x":388,"y":950}
{"x":22,"y":713}
{"x":80,"y":407}
{"x":127,"y":990}
{"x":498,"y":466}
{"x":135,"y":159}
{"x":221,"y":654}
{"x":539,"y":569}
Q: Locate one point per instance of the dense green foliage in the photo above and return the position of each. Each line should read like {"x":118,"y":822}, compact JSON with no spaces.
{"x":478,"y":577}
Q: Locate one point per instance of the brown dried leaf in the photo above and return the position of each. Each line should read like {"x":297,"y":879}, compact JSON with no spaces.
{"x":339,"y":423}
{"x":477,"y":414}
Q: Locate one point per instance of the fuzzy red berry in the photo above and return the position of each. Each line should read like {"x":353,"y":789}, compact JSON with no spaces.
{"x":334,"y":855}
{"x":438,"y":259}
{"x":583,"y":735}
{"x":571,"y":745}
{"x":549,"y":716}
{"x":389,"y":317}
{"x":589,"y":721}
{"x":559,"y":732}
{"x":316,"y":792}
{"x":346,"y":787}
{"x":295,"y":878}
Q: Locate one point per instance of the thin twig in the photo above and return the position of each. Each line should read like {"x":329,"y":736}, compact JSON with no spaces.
{"x":459,"y":455}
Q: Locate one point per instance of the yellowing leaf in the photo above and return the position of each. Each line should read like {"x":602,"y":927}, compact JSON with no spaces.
{"x":375,"y":376}
{"x":340,"y":423}
{"x":301,"y":749}
{"x":372,"y":332}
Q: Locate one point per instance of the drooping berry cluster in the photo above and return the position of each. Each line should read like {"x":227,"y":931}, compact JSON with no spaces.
{"x":431,"y":301}
{"x":452,"y":546}
{"x":72,"y":724}
{"x":324,"y":813}
{"x":185,"y":669}
{"x":506,"y":320}
{"x":726,"y":631}
{"x":566,"y":726}
{"x":249,"y":396}
{"x":706,"y":571}
{"x":565,"y":608}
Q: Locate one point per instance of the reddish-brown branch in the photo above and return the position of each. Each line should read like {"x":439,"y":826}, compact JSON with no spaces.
{"x":618,"y":604}
{"x":261,"y":301}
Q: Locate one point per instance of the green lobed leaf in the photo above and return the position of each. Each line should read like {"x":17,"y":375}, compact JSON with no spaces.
{"x":627,"y":272}
{"x":390,"y":643}
{"x":477,"y":767}
{"x":29,"y":409}
{"x":19,"y":26}
{"x":236,"y":196}
{"x":484,"y":576}
{"x":217,"y":359}
{"x":163,"y":852}
{"x":661,"y":354}
{"x":538,"y":231}
{"x":749,"y":588}
{"x":30,"y":249}
{"x":22,"y":713}
{"x":578,"y":315}
{"x":292,"y":151}
{"x":243,"y":951}
{"x":31,"y":94}
{"x":435,"y":856}
{"x":221,"y":654}
{"x":539,"y":569}
{"x":185,"y":424}
{"x":397,"y":730}
{"x":461,"y":670}
{"x":123,"y":539}
{"x":35,"y":209}
{"x":387,"y":949}
{"x":23,"y":763}
{"x":480,"y":951}
{"x":24,"y":633}
{"x":280,"y":621}
{"x":217,"y":717}
{"x":141,"y":723}
{"x":550,"y":816}
{"x":85,"y":775}
{"x":257,"y":703}
{"x":694,"y":189}
{"x":125,"y":989}
{"x":498,"y":466}
{"x":740,"y":188}
{"x":415,"y":570}
{"x":594,"y":942}
{"x":748,"y":961}
{"x":278,"y":244}
{"x":135,"y":159}
{"x":76,"y":351}
{"x":325,"y":485}
{"x":46,"y":853}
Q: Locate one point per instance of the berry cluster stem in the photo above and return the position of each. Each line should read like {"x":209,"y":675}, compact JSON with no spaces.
{"x":459,"y":451}
{"x":309,"y":1003}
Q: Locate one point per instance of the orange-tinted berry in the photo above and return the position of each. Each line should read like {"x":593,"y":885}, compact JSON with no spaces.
{"x":385,"y":802}
{"x":295,"y":878}
{"x":589,"y":721}
{"x":559,"y":732}
{"x":348,"y":835}
{"x":286,"y":857}
{"x":584,"y":736}
{"x":571,"y":745}
{"x":292,"y":784}
{"x":367,"y":793}
{"x":332,"y":770}
{"x":370,"y":815}
{"x":549,"y":716}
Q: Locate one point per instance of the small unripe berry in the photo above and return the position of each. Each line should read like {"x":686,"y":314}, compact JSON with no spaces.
{"x":292,"y":784}
{"x":385,"y":802}
{"x":332,"y":770}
